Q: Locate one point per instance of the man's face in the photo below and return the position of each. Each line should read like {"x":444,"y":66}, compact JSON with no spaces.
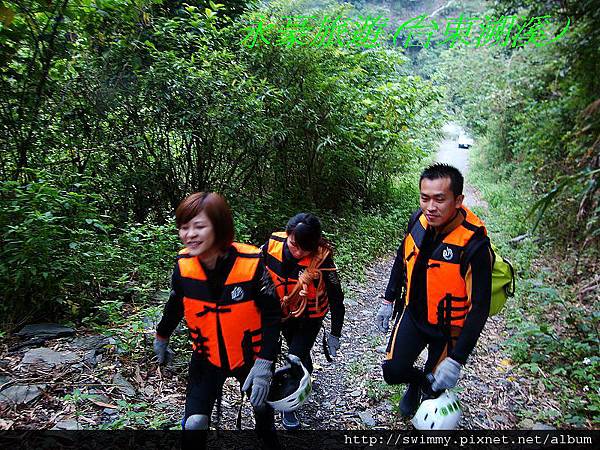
{"x":438,"y":202}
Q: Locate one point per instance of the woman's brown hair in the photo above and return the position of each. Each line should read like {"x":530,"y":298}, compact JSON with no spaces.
{"x":216,"y":209}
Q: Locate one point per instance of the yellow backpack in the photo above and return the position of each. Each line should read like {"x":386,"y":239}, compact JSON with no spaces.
{"x":503,"y":281}
{"x":503,"y":274}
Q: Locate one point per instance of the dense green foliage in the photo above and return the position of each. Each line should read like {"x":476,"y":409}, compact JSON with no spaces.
{"x":113,"y":110}
{"x":554,"y":319}
{"x":539,"y":109}
{"x":59,"y":253}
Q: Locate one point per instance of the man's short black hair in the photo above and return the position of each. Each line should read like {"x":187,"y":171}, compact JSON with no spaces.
{"x":441,"y":170}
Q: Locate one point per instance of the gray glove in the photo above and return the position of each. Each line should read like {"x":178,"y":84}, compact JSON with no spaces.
{"x":382,"y":319}
{"x":259,"y":379}
{"x":163,"y":353}
{"x":446,"y":375}
{"x":333,"y":344}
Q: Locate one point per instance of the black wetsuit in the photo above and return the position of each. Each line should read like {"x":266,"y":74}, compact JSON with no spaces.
{"x":205,"y":379}
{"x":412,"y":332}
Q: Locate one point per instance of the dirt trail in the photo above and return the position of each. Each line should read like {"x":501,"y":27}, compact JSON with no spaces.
{"x":448,"y":152}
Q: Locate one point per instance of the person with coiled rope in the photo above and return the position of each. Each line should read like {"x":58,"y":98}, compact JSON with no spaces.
{"x":307,"y":284}
{"x":227,"y":298}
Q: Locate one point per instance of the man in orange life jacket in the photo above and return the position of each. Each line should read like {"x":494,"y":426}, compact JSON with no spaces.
{"x":446,"y":298}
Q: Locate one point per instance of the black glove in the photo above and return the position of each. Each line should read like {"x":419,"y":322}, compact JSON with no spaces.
{"x":163,"y":352}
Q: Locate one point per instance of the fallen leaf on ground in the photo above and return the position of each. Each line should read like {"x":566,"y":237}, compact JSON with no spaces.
{"x":102,"y":404}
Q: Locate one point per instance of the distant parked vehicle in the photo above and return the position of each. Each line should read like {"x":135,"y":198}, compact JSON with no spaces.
{"x":464,"y":141}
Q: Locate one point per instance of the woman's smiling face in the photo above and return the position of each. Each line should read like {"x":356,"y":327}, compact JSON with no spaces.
{"x":198,"y":235}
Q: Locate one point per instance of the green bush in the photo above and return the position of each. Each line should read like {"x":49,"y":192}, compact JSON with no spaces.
{"x":49,"y":238}
{"x":58,"y":256}
{"x":153,"y":102}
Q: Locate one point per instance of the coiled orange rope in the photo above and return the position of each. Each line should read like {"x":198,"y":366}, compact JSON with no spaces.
{"x":294,"y":304}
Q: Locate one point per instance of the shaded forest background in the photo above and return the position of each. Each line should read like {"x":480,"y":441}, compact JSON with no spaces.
{"x":111,"y":111}
{"x":114,"y":110}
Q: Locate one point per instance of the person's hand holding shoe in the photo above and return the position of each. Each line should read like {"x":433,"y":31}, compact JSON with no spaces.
{"x":384,"y":314}
{"x":446,"y":375}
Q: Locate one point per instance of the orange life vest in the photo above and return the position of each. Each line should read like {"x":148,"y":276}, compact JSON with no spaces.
{"x":447,"y":301}
{"x":317,"y":301}
{"x":230,"y":323}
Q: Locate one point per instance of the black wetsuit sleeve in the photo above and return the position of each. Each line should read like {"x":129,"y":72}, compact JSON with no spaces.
{"x":270,"y":309}
{"x":394,"y":287}
{"x":481,"y":292}
{"x":264,"y":249}
{"x":173,"y":311}
{"x":335,"y":296}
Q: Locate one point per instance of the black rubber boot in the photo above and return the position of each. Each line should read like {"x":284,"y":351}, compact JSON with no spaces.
{"x":411,"y":400}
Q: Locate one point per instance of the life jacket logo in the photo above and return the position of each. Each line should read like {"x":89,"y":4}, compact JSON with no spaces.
{"x":237,"y":294}
{"x":447,"y":254}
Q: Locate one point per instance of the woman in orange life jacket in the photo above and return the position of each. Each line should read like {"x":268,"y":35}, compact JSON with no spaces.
{"x":300,"y":263}
{"x":227,"y":299}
